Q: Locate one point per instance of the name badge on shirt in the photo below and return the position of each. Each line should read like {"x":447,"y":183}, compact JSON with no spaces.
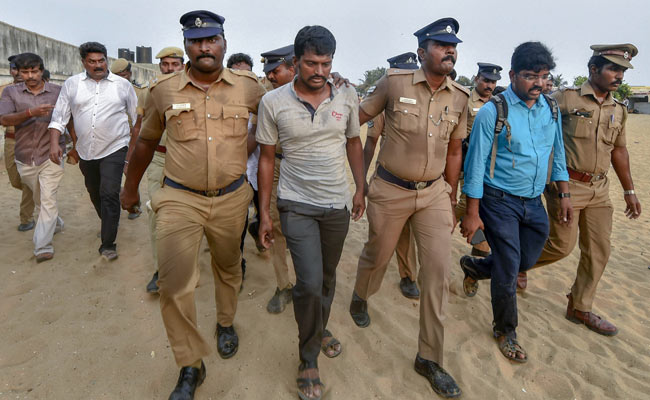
{"x":476,"y":108}
{"x":407,"y":100}
{"x":181,"y":106}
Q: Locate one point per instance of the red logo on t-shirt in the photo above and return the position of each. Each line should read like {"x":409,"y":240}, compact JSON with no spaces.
{"x":337,"y":115}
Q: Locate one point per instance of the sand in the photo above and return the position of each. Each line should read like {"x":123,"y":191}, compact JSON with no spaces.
{"x":78,"y":327}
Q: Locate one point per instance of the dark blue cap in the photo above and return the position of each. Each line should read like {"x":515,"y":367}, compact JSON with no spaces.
{"x":273,"y":58}
{"x":200,"y":24}
{"x":490,"y":71}
{"x":404,"y":61}
{"x":443,"y":30}
{"x":12,"y":62}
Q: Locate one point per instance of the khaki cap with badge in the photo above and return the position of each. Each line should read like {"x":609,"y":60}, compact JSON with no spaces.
{"x":119,"y":65}
{"x":620,"y":54}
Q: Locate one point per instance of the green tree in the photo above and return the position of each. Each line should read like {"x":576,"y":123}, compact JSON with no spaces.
{"x":559,"y":81}
{"x":465,"y":81}
{"x":370,"y":78}
{"x":623,"y":92}
{"x":579,"y":80}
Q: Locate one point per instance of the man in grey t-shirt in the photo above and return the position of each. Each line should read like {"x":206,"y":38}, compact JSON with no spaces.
{"x":317,"y":125}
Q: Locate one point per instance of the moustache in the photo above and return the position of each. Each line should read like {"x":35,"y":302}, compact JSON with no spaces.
{"x":450,"y":58}
{"x":535,"y":88}
{"x":98,"y":69}
{"x":617,"y":82}
{"x":205,"y":56}
{"x":317,"y":77}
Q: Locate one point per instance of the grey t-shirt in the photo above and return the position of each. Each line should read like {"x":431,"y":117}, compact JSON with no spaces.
{"x":313,"y":167}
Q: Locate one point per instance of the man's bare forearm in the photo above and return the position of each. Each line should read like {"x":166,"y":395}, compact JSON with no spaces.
{"x":265,"y":169}
{"x":140,"y":159}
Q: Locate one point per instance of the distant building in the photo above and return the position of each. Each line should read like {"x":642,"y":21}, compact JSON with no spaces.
{"x":639,"y":100}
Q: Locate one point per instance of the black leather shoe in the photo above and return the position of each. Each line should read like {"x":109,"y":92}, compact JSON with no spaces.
{"x":359,"y":311}
{"x":227,"y":341}
{"x":189,"y":379}
{"x":409,"y":288}
{"x":152,"y":286}
{"x":441,"y":382}
{"x":27,"y":226}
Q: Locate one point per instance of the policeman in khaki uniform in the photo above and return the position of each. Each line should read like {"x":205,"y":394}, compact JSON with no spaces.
{"x":405,"y":250}
{"x":205,"y":110}
{"x":171,"y":60}
{"x":485,"y":82}
{"x":279,"y":70}
{"x":415,"y":182}
{"x":27,"y":200}
{"x":593,"y":126}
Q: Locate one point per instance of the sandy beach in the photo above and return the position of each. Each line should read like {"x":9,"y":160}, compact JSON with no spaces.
{"x":78,"y":327}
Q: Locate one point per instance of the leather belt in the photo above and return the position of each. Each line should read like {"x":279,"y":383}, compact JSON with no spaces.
{"x":411,"y":185}
{"x":279,"y":156}
{"x":208,"y":193}
{"x":10,"y":135}
{"x":584,"y":176}
{"x":161,"y":149}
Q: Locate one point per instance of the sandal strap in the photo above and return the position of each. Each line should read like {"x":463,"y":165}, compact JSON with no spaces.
{"x":309,"y":382}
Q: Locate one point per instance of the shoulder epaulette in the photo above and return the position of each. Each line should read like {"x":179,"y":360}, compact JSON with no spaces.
{"x":397,"y":71}
{"x":618,"y":101}
{"x":157,"y":80}
{"x":562,"y":89}
{"x":460,"y":87}
{"x":244,"y":73}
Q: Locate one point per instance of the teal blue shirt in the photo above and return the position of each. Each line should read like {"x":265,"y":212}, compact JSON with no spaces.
{"x":521,"y":168}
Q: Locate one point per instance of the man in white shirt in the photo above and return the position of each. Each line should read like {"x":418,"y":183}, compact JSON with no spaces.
{"x":100,"y":104}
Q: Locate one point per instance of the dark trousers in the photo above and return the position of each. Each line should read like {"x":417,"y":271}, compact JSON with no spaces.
{"x":516,"y":229}
{"x":103,"y":179}
{"x":315,"y":237}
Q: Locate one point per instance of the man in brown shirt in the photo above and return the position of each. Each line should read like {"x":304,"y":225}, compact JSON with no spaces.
{"x":405,"y":250}
{"x":426,"y":119}
{"x":27,"y":106}
{"x":593,"y":126}
{"x":27,"y":199}
{"x":205,"y":110}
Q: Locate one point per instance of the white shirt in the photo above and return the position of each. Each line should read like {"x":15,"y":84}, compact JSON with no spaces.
{"x":99,"y":110}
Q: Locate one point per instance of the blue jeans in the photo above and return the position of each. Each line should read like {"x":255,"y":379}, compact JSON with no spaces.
{"x":516,"y":229}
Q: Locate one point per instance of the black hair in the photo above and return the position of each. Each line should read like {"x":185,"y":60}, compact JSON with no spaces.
{"x":92,"y":47}
{"x":599,"y":62}
{"x":46,"y":75}
{"x":29,"y":60}
{"x":314,"y":38}
{"x":532,"y":56}
{"x":239,"y":57}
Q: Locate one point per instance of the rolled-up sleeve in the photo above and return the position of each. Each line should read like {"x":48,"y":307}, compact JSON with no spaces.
{"x":7,"y":104}
{"x":62,"y":110}
{"x":131,"y":104}
{"x":559,"y":171}
{"x":480,"y":146}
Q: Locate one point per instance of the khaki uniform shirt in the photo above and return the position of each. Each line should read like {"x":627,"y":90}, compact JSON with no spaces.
{"x":8,"y":129}
{"x":142,"y":98}
{"x":207,"y":131}
{"x":474,"y":103}
{"x":419,"y":122}
{"x":590,"y":129}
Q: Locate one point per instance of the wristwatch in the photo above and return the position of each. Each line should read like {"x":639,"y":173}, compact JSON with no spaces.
{"x":628,"y":192}
{"x":564,"y":195}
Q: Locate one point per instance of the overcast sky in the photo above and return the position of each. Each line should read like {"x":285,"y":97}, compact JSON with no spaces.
{"x":367,"y":32}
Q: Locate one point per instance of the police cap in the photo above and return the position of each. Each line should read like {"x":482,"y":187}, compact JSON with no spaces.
{"x":119,"y":65}
{"x":201,"y":24}
{"x":620,"y":54}
{"x":170,"y":52}
{"x":489,"y":71}
{"x":273,"y":58}
{"x":442,"y":30}
{"x":404,"y":61}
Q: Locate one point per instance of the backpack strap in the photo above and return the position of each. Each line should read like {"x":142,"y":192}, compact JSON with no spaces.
{"x":501,"y":105}
{"x":555,"y":108}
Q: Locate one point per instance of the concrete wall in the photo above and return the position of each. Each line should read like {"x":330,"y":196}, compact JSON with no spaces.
{"x":62,"y":59}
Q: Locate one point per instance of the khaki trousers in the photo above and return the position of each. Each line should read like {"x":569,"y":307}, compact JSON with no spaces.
{"x":154,"y":182}
{"x":405,"y":252}
{"x":279,"y":245}
{"x":182,"y":218}
{"x":44,"y":180}
{"x":27,"y":200}
{"x":592,"y":217}
{"x":428,"y":211}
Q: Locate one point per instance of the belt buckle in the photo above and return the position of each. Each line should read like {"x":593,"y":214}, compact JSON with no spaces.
{"x":420,"y":185}
{"x":212,"y":193}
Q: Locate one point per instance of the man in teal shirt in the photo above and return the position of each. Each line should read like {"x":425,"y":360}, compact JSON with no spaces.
{"x":507,"y":196}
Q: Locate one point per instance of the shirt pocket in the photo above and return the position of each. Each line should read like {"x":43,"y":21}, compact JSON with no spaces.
{"x":613,"y":129}
{"x":448,"y":122}
{"x":406,"y":116}
{"x":235,"y":120}
{"x":579,"y":126}
{"x":181,"y":124}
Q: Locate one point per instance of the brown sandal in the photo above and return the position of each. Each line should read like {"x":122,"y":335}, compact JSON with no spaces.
{"x":510,"y":349}
{"x":330,"y":345}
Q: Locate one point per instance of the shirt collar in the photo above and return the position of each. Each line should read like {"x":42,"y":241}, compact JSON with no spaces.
{"x":22,"y":87}
{"x":226,"y":75}
{"x":512,"y":98}
{"x":111,"y":76}
{"x":587,"y":90}
{"x":418,"y":77}
{"x":333,"y":92}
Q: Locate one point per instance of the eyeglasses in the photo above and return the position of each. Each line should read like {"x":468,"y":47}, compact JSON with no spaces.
{"x":535,"y":78}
